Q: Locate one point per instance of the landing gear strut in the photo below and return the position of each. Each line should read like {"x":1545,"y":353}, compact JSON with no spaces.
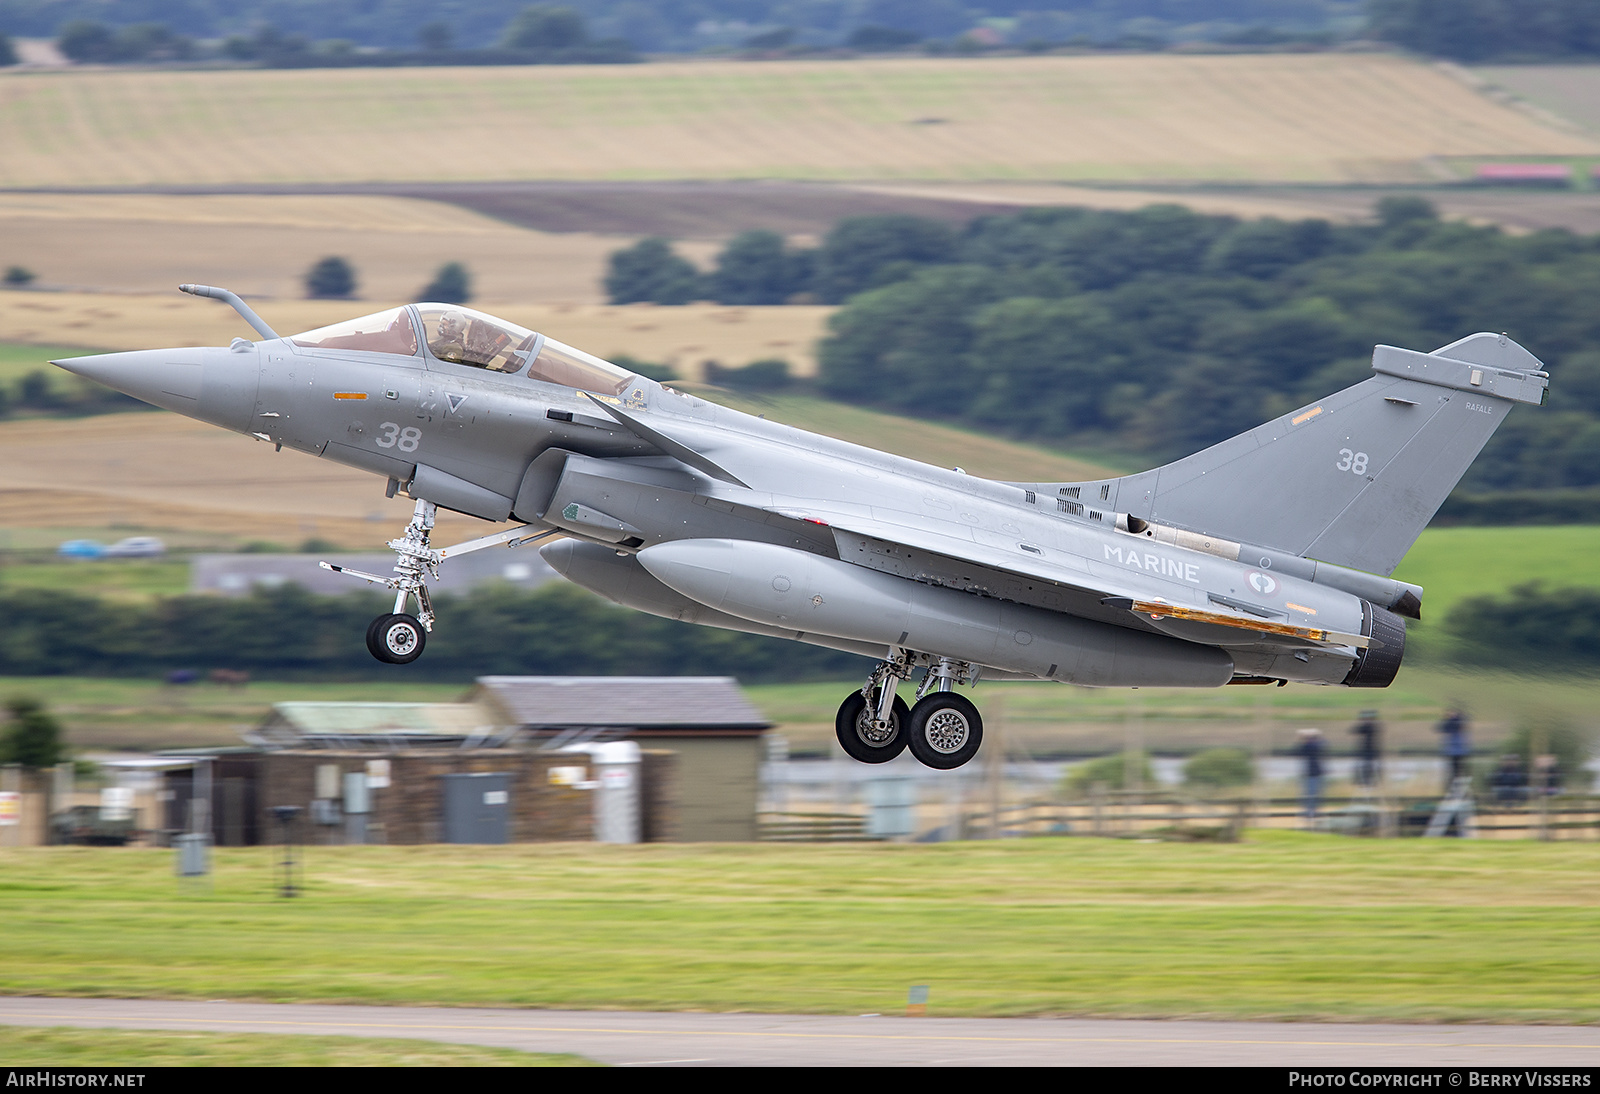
{"x":871,"y":723}
{"x":396,"y":637}
{"x":943,"y":730}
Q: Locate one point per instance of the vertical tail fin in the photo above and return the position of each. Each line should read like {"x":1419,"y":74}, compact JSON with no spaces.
{"x":1351,"y":479}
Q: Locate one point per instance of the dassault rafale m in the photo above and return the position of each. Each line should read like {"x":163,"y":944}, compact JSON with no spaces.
{"x":1262,"y":559}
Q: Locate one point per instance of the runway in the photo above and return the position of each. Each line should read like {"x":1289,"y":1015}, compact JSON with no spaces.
{"x":641,"y":1039}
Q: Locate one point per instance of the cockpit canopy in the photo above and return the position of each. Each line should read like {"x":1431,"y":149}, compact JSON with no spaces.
{"x":462,"y":336}
{"x":466,"y":337}
{"x":385,"y":332}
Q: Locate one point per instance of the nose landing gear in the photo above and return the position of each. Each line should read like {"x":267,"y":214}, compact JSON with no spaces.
{"x":395,"y":638}
{"x":943,"y":730}
{"x":398,"y":638}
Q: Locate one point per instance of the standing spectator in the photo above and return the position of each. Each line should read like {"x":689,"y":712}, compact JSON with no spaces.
{"x":1310,"y":749}
{"x":1453,"y":745}
{"x":1510,"y":780}
{"x":1369,"y":745}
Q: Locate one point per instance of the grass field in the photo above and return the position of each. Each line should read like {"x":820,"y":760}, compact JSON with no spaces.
{"x":158,"y":473}
{"x":1325,"y":117}
{"x":1283,"y":925}
{"x":1053,"y":720}
{"x":108,"y":713}
{"x":684,"y":337}
{"x":1453,"y":564}
{"x":930,"y":442}
{"x":16,"y":361}
{"x":126,"y":580}
{"x":166,"y":474}
{"x":1571,"y":92}
{"x":262,"y":245}
{"x":1026,"y":719}
{"x":25,"y":1046}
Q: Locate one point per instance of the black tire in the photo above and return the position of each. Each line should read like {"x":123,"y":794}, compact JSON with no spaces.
{"x":372,"y":636}
{"x":853,"y":727}
{"x":945,"y":731}
{"x":400,"y":639}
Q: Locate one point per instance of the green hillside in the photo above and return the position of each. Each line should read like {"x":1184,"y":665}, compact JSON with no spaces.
{"x":1454,"y":564}
{"x":17,"y":361}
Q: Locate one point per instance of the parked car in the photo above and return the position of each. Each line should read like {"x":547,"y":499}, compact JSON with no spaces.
{"x":137,"y":547}
{"x":86,"y":824}
{"x":81,"y":548}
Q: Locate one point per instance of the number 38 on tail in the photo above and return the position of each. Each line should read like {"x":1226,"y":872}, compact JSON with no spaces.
{"x":1262,"y":559}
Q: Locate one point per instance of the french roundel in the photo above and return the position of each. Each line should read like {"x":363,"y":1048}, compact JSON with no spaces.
{"x":1265,"y":584}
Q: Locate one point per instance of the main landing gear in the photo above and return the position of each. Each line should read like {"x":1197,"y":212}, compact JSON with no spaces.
{"x":396,"y":637}
{"x":943,"y":729}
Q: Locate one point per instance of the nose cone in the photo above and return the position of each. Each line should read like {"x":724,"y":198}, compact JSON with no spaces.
{"x":168,"y":378}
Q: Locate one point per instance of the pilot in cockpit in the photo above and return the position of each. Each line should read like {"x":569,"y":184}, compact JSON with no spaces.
{"x":449,"y":342}
{"x":468,"y":341}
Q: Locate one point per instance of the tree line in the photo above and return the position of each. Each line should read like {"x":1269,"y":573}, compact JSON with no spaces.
{"x":1157,"y":332}
{"x":557,"y":629}
{"x":760,"y":267}
{"x":1482,"y":30}
{"x":538,"y":34}
{"x":477,"y":31}
{"x":753,"y":27}
{"x":560,"y":629}
{"x":54,"y":393}
{"x":1532,"y":629}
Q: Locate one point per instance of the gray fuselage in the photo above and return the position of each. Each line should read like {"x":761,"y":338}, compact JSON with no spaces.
{"x":814,"y":538}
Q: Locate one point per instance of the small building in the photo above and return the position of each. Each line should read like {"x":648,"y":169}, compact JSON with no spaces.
{"x":403,"y":772}
{"x":398,"y":772}
{"x":227,"y":780}
{"x":714,"y":731}
{"x":406,"y":796}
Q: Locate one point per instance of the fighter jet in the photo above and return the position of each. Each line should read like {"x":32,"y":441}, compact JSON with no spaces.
{"x":1260,"y":560}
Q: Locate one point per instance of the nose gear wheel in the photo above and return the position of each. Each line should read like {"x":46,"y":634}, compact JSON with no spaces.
{"x":397,"y":638}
